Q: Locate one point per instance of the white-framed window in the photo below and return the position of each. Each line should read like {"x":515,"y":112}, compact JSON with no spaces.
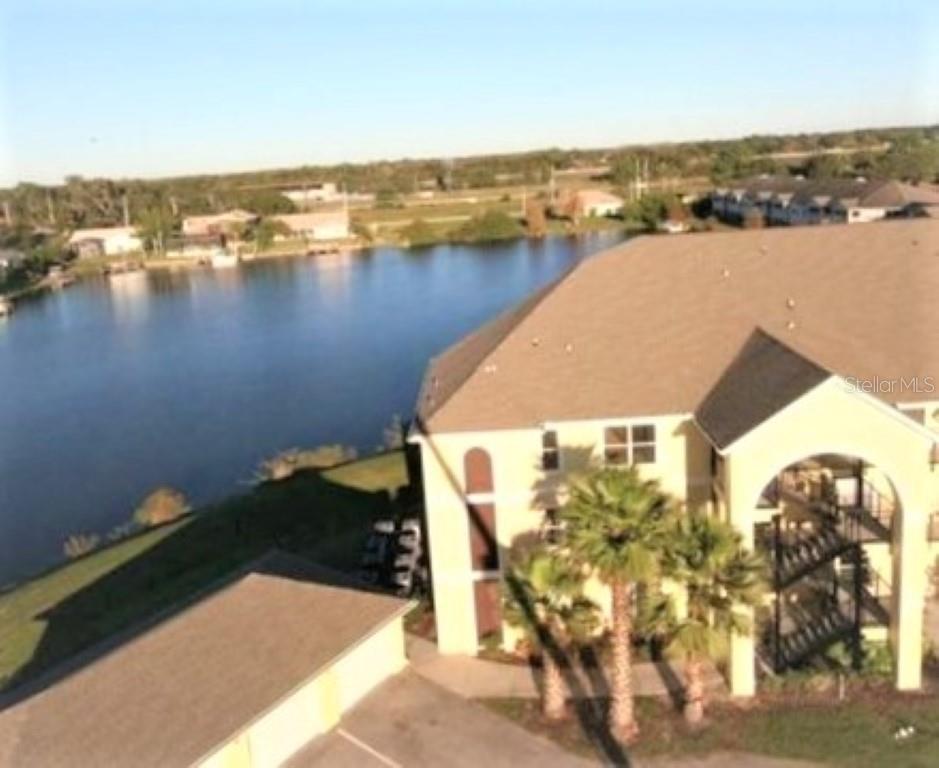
{"x":629,"y":444}
{"x":550,"y":451}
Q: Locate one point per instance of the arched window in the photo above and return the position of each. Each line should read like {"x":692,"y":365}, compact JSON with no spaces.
{"x":477,"y":469}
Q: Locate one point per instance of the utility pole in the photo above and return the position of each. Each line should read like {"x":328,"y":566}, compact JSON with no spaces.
{"x":50,"y":207}
{"x":126,"y":210}
{"x":174,"y":206}
{"x":7,"y":213}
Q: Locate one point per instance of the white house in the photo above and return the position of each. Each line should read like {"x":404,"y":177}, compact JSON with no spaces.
{"x":111,"y":241}
{"x":217,"y":223}
{"x":596,"y":202}
{"x":322,"y":225}
{"x":324,"y":192}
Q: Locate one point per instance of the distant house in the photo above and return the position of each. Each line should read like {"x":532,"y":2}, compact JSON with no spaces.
{"x":10,"y":258}
{"x":226,"y":223}
{"x":586,"y":202}
{"x":324,"y":192}
{"x":109,"y":241}
{"x":596,"y":202}
{"x":244,"y":677}
{"x":322,"y":225}
{"x":797,"y":200}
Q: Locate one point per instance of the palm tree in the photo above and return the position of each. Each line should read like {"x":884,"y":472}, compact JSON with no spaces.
{"x":721,"y":579}
{"x":615,"y":525}
{"x":543,"y":596}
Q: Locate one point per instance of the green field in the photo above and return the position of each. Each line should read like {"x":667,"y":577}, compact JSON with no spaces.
{"x":323,"y":515}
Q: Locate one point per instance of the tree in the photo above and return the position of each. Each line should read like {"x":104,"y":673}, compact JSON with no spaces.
{"x":615,"y":525}
{"x":827,"y":166}
{"x":543,"y":596}
{"x":490,"y":226}
{"x":162,"y":506}
{"x":263,"y":233}
{"x":721,"y":579}
{"x":535,"y":221}
{"x":154,"y":227}
{"x":419,"y":234}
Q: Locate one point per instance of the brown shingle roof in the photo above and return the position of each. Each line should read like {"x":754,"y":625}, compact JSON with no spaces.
{"x":649,"y":327}
{"x":177,"y":692}
{"x":762,"y":380}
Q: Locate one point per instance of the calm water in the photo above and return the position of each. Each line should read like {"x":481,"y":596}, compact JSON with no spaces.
{"x":190,"y":379}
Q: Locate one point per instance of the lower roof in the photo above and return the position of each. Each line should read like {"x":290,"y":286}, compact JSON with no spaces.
{"x":649,"y":327}
{"x":175,"y":693}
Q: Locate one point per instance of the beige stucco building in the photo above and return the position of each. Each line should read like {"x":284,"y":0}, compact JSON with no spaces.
{"x":783,"y":379}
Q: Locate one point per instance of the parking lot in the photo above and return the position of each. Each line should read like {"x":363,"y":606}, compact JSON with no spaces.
{"x":409,"y":721}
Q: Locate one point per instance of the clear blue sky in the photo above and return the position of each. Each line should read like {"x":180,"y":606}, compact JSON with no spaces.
{"x":124,"y":87}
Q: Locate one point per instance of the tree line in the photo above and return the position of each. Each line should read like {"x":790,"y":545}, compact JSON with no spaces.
{"x":909,"y":153}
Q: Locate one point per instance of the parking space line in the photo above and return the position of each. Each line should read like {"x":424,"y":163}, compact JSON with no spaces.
{"x":366,"y":748}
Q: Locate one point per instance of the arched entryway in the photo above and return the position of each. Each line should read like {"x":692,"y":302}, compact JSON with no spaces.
{"x":826,"y":529}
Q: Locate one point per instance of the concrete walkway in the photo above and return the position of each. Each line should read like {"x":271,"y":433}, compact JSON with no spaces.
{"x":477,"y":678}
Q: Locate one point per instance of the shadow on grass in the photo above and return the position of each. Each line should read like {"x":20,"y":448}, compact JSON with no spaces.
{"x":321,"y":515}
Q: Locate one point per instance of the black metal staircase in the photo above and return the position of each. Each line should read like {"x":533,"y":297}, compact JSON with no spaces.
{"x":827,"y":556}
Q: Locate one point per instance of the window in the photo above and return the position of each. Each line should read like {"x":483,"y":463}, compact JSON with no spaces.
{"x":550,"y":457}
{"x":551,"y":526}
{"x":630,"y":444}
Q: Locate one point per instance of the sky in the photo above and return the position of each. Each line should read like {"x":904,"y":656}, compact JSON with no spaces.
{"x":125,"y":88}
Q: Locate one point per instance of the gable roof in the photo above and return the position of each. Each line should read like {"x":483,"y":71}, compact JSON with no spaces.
{"x":763,"y":379}
{"x":649,"y":327}
{"x":858,"y":192}
{"x":449,"y":372}
{"x":178,"y":691}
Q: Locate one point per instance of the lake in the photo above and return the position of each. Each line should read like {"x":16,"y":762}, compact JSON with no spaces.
{"x":190,"y":378}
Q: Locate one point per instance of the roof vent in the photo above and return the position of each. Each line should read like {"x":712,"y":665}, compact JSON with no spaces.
{"x":535,"y":341}
{"x":725,"y":273}
{"x":568,"y":347}
{"x":791,"y":325}
{"x":490,"y":368}
{"x":791,"y":303}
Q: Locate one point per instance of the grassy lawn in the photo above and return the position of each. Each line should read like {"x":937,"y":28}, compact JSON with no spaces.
{"x":323,"y":515}
{"x":857,"y":733}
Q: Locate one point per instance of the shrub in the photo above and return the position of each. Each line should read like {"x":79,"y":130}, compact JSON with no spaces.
{"x":393,"y":434}
{"x":490,"y":226}
{"x":285,"y":464}
{"x":419,"y":233}
{"x":79,"y":544}
{"x":162,"y":506}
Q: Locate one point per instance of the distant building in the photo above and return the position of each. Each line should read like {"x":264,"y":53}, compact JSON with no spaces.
{"x":586,"y":202}
{"x":10,"y":258}
{"x":246,"y":676}
{"x":324,"y":192}
{"x":107,"y":241}
{"x":797,"y":200}
{"x":225,"y":223}
{"x":323,"y":225}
